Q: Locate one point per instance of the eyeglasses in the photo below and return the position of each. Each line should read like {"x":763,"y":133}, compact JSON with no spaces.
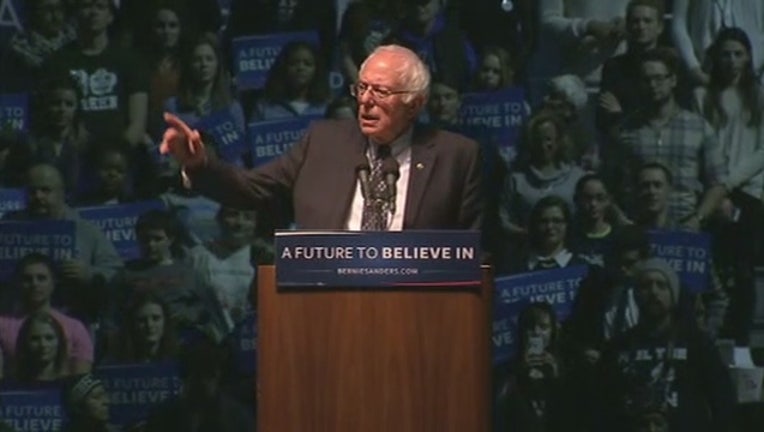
{"x":377,"y":93}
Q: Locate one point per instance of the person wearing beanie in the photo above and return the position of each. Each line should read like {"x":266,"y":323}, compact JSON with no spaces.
{"x":87,"y":405}
{"x":666,"y":360}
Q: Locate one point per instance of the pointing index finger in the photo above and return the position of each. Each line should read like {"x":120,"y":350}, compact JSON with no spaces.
{"x":175,"y":122}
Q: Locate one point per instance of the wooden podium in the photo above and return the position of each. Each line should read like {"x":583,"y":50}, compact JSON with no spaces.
{"x":373,"y":359}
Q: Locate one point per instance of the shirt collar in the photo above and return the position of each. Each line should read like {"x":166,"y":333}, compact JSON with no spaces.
{"x":562,"y":258}
{"x":396,"y":147}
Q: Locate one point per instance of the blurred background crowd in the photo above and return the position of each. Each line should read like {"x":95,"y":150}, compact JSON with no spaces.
{"x":632,"y":116}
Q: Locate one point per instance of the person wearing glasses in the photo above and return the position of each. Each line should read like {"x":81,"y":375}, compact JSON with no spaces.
{"x":682,"y":141}
{"x":439,"y":182}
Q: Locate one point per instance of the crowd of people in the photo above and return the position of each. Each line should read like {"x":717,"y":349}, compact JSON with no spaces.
{"x":638,"y":115}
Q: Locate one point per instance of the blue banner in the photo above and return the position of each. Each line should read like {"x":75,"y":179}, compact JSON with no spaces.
{"x":231,"y":142}
{"x":38,"y":410}
{"x":513,"y":293}
{"x":269,"y":139}
{"x":498,"y":115}
{"x":688,"y":253}
{"x":245,"y":339}
{"x":135,"y":389}
{"x":387,"y":258}
{"x":117,"y":222}
{"x":54,"y":238}
{"x":12,"y":200}
{"x":14,"y":111}
{"x":11,"y":17}
{"x":253,"y":56}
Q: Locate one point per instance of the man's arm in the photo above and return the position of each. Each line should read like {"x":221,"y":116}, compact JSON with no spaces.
{"x":249,"y":189}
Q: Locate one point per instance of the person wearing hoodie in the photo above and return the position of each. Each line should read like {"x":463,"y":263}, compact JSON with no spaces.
{"x":664,"y":360}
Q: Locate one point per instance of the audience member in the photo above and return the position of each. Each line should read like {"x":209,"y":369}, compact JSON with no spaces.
{"x":147,"y":333}
{"x":111,"y":181}
{"x":113,"y":80}
{"x":679,"y":139}
{"x":495,"y":71}
{"x":593,"y":229}
{"x":695,"y":24}
{"x":87,"y":405}
{"x":547,"y":248}
{"x":619,"y":97}
{"x":58,"y":135}
{"x":205,"y":84}
{"x":543,"y":168}
{"x":733,"y":104}
{"x":95,"y":260}
{"x":36,"y":280}
{"x":41,"y":350}
{"x":297,"y":85}
{"x":665,"y":360}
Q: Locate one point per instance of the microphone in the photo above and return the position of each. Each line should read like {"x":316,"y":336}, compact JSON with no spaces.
{"x":391,"y":172}
{"x":362,"y":171}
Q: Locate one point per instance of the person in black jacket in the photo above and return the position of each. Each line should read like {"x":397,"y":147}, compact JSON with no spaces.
{"x":666,"y":361}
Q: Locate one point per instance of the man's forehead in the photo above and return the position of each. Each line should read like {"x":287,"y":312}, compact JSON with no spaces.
{"x":381,"y":70}
{"x":44,"y":177}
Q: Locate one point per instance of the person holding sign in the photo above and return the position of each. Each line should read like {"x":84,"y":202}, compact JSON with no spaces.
{"x":96,"y":260}
{"x":438,"y":178}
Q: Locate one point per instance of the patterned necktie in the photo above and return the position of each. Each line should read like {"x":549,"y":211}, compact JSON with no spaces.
{"x":375,"y":207}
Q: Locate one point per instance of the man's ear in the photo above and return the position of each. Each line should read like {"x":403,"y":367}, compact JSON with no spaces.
{"x":416,"y":105}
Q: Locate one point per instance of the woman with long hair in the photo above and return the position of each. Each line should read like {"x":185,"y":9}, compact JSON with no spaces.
{"x":204,"y":86}
{"x":297,"y":85}
{"x":543,"y":167}
{"x":41,"y":353}
{"x":168,"y":37}
{"x":733,"y":103}
{"x":147,"y":333}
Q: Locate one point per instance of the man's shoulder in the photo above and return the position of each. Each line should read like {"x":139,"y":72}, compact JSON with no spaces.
{"x":444,"y":139}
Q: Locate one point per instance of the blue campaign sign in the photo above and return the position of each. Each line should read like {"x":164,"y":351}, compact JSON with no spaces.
{"x":11,"y":17}
{"x":54,"y":238}
{"x":230,"y":140}
{"x":14,"y":112}
{"x":687,"y":252}
{"x":272,"y":138}
{"x":513,"y":293}
{"x":245,"y":338}
{"x":498,"y":115}
{"x":12,"y":200}
{"x":388,"y":258}
{"x":135,"y":389}
{"x":38,"y":410}
{"x":118,"y":223}
{"x":253,"y":56}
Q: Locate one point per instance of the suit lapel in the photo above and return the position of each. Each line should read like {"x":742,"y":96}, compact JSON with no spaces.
{"x":345,"y":176}
{"x":423,"y":158}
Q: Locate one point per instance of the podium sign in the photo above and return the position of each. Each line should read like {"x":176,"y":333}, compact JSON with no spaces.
{"x":378,"y":258}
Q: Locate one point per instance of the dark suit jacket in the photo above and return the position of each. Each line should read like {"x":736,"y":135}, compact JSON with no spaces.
{"x":444,"y":190}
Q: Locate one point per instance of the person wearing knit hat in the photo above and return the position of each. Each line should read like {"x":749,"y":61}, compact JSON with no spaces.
{"x":656,"y":292}
{"x":87,"y":405}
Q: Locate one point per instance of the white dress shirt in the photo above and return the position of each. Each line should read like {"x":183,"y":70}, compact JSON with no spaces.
{"x":401,"y":150}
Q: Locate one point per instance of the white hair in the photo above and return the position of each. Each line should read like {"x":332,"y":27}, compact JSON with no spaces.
{"x":413,"y":72}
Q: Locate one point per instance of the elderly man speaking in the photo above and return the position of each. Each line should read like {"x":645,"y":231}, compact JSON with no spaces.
{"x":341,"y":170}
